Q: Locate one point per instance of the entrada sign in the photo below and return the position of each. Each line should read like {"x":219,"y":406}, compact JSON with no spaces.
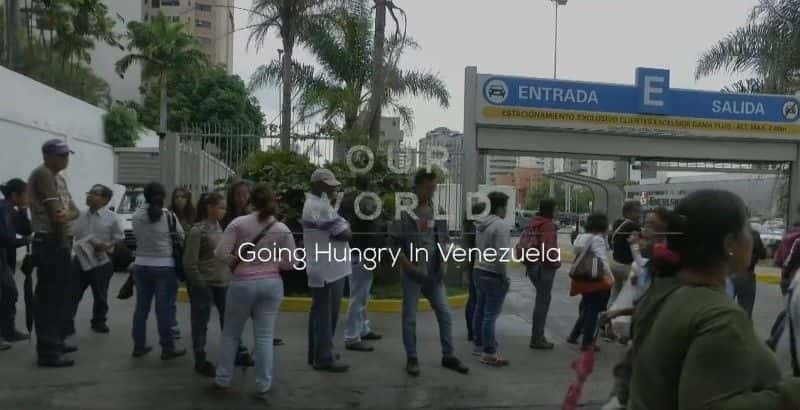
{"x":650,"y":103}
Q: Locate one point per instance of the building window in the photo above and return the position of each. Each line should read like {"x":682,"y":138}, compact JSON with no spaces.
{"x":146,"y":17}
{"x":203,"y":7}
{"x":204,"y":40}
{"x":156,"y":4}
{"x":202,"y":23}
{"x":175,"y":19}
{"x":170,"y":2}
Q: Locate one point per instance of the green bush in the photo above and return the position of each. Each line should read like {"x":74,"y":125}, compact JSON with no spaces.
{"x":122,"y":126}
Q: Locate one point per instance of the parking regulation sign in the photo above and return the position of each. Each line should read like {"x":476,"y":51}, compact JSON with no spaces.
{"x":496,"y":91}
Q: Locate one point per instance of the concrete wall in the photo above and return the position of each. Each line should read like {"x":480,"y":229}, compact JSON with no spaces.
{"x":32,"y":113}
{"x":104,"y":56}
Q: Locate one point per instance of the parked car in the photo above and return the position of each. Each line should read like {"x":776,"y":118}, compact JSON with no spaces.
{"x":132,"y":200}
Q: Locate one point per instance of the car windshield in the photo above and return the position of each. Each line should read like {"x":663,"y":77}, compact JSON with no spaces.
{"x":131,"y":201}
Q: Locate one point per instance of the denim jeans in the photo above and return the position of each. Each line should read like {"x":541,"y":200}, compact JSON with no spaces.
{"x":472,"y":302}
{"x":744,"y":288}
{"x":360,"y":285}
{"x":52,"y":306}
{"x":322,"y":322}
{"x":8,"y":301}
{"x":259,"y":300}
{"x":492,"y":290}
{"x":477,"y":316}
{"x":161,"y":283}
{"x":202,"y":299}
{"x":541,"y":277}
{"x":434,"y":291}
{"x":591,"y":306}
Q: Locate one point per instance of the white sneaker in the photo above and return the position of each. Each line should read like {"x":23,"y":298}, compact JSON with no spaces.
{"x":613,"y":404}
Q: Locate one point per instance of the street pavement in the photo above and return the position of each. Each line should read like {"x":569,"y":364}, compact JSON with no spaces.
{"x":106,"y":377}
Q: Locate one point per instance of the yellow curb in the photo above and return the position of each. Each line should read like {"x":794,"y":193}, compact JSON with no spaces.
{"x":768,"y":279}
{"x":303,"y":304}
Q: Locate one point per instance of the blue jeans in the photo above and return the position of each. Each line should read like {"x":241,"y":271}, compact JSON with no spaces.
{"x":161,"y":283}
{"x":360,"y":285}
{"x":436,"y":294}
{"x":492,"y":290}
{"x":541,"y":277}
{"x":322,"y":322}
{"x":258,"y":300}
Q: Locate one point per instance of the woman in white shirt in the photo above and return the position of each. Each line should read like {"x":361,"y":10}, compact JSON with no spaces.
{"x":154,"y":272}
{"x":592,"y":302}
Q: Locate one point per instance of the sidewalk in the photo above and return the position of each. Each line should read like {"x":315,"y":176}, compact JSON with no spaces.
{"x":106,"y":377}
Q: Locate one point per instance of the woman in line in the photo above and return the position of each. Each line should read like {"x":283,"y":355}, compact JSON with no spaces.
{"x":593,"y":300}
{"x":693,"y":346}
{"x":206,"y":275}
{"x":238,"y":200}
{"x":154,"y":272}
{"x":182,"y":206}
{"x":256,"y":289}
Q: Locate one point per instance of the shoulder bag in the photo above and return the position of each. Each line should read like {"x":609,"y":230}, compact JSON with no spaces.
{"x":255,"y":241}
{"x":177,"y":245}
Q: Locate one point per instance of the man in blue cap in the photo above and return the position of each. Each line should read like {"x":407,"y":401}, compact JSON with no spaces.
{"x":52,"y":211}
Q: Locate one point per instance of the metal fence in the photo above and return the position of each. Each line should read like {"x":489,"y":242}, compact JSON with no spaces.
{"x":208,"y":154}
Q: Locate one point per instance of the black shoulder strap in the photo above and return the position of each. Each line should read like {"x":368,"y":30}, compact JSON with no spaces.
{"x":263,"y":232}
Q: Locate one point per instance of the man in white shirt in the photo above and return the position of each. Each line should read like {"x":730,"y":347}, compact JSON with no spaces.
{"x":96,"y":231}
{"x":326,"y":236}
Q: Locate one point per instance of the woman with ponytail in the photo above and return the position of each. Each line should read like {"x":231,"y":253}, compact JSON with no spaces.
{"x":256,"y":288}
{"x":693,"y":347}
{"x":154,"y":272}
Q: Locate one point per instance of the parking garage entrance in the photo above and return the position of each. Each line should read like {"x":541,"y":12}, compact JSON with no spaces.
{"x":648,"y":120}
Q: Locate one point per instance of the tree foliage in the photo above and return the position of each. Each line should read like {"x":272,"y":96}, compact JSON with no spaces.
{"x":122,"y":126}
{"x":580,"y":201}
{"x":768,"y":47}
{"x":205,"y":94}
{"x":337,"y":88}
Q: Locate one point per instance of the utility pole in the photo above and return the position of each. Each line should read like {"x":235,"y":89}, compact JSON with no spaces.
{"x":12,"y":26}
{"x":555,"y":76}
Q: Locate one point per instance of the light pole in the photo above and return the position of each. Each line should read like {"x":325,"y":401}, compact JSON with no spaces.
{"x":555,"y":37}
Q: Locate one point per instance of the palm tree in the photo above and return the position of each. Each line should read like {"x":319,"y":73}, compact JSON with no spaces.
{"x":768,"y":47}
{"x":163,"y":48}
{"x":340,"y":89}
{"x":288,"y":18}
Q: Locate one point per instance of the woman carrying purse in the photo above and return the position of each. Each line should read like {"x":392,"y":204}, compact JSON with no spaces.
{"x":594,"y":291}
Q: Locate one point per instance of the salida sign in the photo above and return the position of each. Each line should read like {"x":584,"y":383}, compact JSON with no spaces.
{"x":651,"y":95}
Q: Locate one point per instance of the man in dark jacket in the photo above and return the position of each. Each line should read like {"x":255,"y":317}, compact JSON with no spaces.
{"x":16,"y":229}
{"x":744,"y":285}
{"x":542,"y":272}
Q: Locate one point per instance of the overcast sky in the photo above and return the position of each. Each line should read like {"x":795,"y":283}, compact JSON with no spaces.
{"x":599,"y":40}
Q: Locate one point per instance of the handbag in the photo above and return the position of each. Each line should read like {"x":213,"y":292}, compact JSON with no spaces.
{"x":177,"y":246}
{"x":27,"y":264}
{"x":236,"y":260}
{"x":582,"y":287}
{"x":586,"y":266}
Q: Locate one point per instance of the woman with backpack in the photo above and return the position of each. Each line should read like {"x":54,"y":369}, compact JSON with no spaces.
{"x":594,"y":292}
{"x":693,"y":347}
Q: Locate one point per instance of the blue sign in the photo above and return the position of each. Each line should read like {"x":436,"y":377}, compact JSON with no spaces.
{"x":651,"y":95}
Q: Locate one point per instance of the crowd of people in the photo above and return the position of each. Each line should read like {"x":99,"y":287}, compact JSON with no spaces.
{"x":665,"y":282}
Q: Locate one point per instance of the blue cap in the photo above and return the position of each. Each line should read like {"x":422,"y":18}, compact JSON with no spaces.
{"x":56,"y":147}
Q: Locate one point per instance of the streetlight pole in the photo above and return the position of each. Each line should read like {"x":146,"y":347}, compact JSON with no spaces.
{"x":555,"y":37}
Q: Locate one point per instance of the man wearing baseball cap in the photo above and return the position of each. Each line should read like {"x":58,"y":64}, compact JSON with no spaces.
{"x":52,"y":210}
{"x":324,"y":230}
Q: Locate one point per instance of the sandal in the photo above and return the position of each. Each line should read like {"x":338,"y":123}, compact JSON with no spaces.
{"x":495,"y":361}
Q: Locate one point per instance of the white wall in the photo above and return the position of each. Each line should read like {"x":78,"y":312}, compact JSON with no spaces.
{"x":105,"y":57}
{"x":32,"y":113}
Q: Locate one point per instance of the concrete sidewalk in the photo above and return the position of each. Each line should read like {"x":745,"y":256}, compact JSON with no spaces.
{"x":106,"y":377}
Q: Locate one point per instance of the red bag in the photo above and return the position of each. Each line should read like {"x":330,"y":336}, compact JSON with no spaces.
{"x":530,"y":238}
{"x":582,"y":287}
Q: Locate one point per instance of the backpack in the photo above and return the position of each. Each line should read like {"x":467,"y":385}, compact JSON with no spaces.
{"x":530,"y":238}
{"x":785,"y":247}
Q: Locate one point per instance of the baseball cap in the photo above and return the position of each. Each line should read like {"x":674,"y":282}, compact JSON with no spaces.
{"x":326,"y":176}
{"x":56,"y":147}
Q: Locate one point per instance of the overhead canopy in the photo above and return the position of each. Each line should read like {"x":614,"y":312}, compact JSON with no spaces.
{"x":519,"y":116}
{"x":607,"y":194}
